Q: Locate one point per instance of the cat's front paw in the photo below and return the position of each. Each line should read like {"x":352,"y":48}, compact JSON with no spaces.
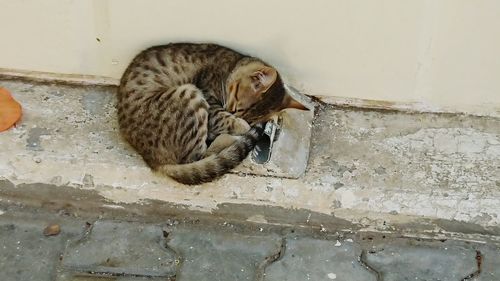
{"x":240,"y":126}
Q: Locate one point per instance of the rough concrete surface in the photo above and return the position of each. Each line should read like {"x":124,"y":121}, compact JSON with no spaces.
{"x":445,"y":166}
{"x":373,"y":169}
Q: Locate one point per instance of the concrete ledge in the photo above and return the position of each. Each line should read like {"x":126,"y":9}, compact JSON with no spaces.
{"x":385,"y":171}
{"x":74,"y":79}
{"x":49,"y":77}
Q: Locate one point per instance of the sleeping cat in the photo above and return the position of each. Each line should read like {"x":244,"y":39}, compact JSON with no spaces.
{"x":195,"y":111}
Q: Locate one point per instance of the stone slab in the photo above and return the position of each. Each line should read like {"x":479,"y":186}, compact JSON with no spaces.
{"x":26,"y":254}
{"x":421,"y":262}
{"x":220,"y":256}
{"x":119,"y":248}
{"x":313,"y":259}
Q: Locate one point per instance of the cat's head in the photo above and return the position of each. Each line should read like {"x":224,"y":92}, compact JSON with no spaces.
{"x":256,"y":92}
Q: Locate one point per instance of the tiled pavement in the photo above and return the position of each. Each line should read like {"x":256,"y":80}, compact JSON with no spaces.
{"x":197,"y":251}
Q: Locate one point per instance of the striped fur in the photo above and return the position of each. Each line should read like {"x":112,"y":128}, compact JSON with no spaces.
{"x":214,"y":166}
{"x":175,"y":100}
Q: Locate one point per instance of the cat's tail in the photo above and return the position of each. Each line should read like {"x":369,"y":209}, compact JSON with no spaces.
{"x":214,"y":166}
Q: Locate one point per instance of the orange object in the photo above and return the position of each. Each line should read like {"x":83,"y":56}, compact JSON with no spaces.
{"x":10,"y":110}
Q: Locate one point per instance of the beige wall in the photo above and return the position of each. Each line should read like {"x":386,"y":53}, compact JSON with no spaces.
{"x":441,"y":53}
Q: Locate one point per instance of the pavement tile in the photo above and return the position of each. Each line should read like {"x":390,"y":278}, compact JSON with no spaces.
{"x":26,"y":254}
{"x":422,"y":262}
{"x":310,"y":259}
{"x":221,"y":256}
{"x":121,"y":248}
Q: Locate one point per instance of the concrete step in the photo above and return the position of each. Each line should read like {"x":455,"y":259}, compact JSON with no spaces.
{"x":419,"y":173}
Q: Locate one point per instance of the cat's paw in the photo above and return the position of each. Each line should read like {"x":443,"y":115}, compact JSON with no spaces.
{"x":240,"y":126}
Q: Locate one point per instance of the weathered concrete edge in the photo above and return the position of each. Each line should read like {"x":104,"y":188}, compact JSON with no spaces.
{"x":73,"y":79}
{"x":486,"y":110}
{"x":89,"y":201}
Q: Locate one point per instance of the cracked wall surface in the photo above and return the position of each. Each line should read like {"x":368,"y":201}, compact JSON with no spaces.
{"x":367,"y":167}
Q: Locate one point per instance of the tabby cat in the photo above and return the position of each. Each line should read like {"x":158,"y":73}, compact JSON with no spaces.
{"x":195,"y":111}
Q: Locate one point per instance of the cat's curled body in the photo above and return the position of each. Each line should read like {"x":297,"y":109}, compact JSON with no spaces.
{"x":175,"y":99}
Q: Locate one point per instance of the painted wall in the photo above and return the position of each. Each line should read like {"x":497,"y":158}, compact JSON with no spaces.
{"x":438,"y":52}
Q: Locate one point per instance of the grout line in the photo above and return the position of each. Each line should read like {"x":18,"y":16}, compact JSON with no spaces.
{"x":363,"y":262}
{"x":475,"y":274}
{"x":261,"y":269}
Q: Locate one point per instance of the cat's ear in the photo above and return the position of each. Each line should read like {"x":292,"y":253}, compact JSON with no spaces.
{"x":263,"y":79}
{"x":289,"y":102}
